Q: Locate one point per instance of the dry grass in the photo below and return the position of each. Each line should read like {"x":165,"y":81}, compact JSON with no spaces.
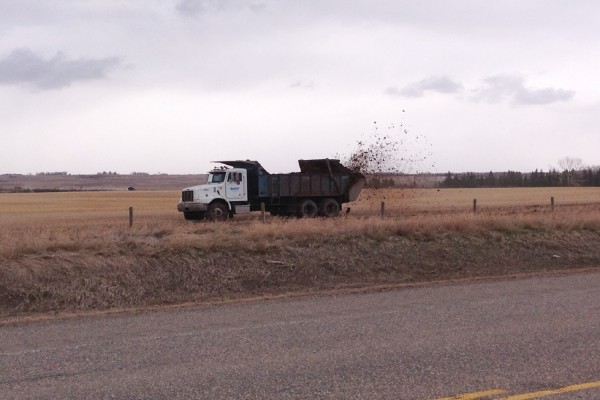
{"x":75,"y":251}
{"x":457,"y":200}
{"x":48,"y":222}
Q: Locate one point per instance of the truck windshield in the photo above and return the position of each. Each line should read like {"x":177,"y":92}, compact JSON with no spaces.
{"x":216,"y":177}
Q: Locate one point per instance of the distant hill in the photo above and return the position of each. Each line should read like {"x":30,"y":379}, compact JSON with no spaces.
{"x":65,"y":182}
{"x":139,"y":181}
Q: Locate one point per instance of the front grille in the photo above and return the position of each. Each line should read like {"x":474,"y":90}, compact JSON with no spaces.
{"x":187,"y":195}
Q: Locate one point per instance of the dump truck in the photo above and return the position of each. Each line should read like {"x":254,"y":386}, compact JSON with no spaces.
{"x":240,"y":187}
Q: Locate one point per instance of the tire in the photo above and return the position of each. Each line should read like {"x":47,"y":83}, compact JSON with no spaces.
{"x":307,"y":209}
{"x":193,"y":215}
{"x":329,"y":208}
{"x":217,"y":212}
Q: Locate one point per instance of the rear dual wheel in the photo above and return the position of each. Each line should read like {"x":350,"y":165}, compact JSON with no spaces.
{"x":329,"y":208}
{"x":307,"y":209}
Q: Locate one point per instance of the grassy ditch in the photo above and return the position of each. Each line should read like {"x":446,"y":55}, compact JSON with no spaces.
{"x":78,"y":263}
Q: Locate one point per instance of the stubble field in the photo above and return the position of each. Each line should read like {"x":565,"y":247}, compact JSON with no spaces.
{"x":73,"y":252}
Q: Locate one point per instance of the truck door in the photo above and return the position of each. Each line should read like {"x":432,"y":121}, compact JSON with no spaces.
{"x":235,"y":186}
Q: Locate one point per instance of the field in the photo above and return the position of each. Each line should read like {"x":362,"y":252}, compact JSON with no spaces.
{"x":61,"y":182}
{"x":75,"y":251}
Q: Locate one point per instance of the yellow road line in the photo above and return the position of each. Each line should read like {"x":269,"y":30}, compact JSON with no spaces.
{"x":474,"y":395}
{"x":543,"y":393}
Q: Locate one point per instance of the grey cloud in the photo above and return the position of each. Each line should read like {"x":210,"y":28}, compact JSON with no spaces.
{"x":512,"y":88}
{"x":257,"y":7}
{"x":440,"y":84}
{"x":23,"y":67}
{"x":302,"y":85}
{"x":544,"y":96}
{"x":194,"y":8}
{"x":190,"y":7}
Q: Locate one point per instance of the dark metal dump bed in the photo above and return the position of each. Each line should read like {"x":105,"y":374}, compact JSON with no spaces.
{"x":318,"y":178}
{"x":308,"y":185}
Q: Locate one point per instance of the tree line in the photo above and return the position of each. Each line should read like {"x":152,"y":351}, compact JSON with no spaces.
{"x":583,"y":177}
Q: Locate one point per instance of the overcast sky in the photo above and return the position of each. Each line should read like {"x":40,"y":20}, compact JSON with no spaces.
{"x":169,"y":85}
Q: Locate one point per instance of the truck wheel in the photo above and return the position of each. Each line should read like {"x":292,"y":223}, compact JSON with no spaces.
{"x":307,"y":209}
{"x":193,"y":215}
{"x":217,"y":212}
{"x":329,"y":208}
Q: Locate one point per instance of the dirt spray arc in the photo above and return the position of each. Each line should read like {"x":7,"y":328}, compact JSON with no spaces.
{"x":390,"y":150}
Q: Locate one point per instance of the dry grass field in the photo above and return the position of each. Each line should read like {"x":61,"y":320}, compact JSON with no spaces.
{"x":12,"y":182}
{"x":459,"y":200}
{"x":76,"y":252}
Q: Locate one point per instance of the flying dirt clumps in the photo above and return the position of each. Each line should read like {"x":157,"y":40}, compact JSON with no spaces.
{"x":392,"y":151}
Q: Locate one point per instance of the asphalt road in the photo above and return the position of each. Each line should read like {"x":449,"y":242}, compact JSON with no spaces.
{"x":519,"y":339}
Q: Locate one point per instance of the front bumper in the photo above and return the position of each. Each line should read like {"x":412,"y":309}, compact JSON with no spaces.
{"x":185,"y":206}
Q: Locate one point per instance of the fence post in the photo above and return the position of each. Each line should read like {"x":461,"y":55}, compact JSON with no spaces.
{"x":130,"y":217}
{"x":262,"y":212}
{"x":552,"y":203}
{"x":382,"y":209}
{"x":474,"y":206}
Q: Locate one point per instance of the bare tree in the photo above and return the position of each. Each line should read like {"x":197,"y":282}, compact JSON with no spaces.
{"x":569,"y":166}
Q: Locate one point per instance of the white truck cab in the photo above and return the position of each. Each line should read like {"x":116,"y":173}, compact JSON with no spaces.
{"x":225,"y":193}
